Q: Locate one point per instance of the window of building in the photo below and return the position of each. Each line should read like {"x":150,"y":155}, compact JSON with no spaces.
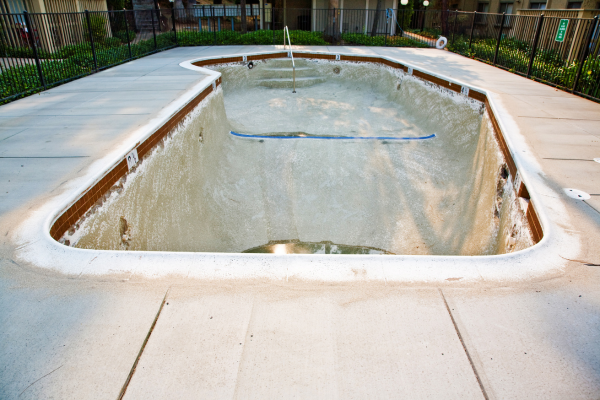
{"x":574,"y":4}
{"x":483,"y":7}
{"x":537,"y":6}
{"x":506,"y":8}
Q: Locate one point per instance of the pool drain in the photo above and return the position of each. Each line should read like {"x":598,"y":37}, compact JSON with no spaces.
{"x":336,"y":70}
{"x":250,"y":65}
{"x":577,"y":194}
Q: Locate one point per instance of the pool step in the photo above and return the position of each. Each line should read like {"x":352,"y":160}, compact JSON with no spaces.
{"x":285,"y":72}
{"x":276,"y":83}
{"x":286,"y":62}
{"x":278,"y":74}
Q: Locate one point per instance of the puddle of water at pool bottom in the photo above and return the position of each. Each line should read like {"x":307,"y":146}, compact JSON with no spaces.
{"x":297,"y":247}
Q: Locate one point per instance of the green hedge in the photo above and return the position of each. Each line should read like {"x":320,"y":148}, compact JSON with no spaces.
{"x":548,"y":65}
{"x":70,"y":62}
{"x":393,"y":41}
{"x":256,"y":37}
{"x":430,"y":33}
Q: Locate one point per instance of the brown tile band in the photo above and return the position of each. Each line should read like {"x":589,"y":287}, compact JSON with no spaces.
{"x":474,"y":94}
{"x":534,"y":223}
{"x":438,"y":81}
{"x":501,"y":142}
{"x":523,"y":191}
{"x":218,"y":61}
{"x":532,"y":217}
{"x":389,"y":63}
{"x":80,"y":207}
{"x":95,"y":192}
{"x":315,"y":56}
{"x":266,"y":56}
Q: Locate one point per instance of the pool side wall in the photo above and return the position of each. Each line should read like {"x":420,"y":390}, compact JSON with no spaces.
{"x":92,"y":194}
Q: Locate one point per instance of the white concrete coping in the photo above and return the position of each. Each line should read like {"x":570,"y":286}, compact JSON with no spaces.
{"x":36,"y":246}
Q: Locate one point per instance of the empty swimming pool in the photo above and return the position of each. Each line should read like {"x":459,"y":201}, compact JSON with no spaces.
{"x":363,"y":159}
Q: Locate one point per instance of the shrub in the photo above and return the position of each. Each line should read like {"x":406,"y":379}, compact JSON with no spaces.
{"x":366,"y":40}
{"x":70,"y":62}
{"x":548,"y":65}
{"x":111,"y":42}
{"x":431,"y":33}
{"x":122,"y":35}
{"x":225,"y":37}
{"x":98,"y":27}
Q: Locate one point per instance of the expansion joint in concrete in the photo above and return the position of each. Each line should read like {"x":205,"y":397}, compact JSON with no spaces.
{"x":137,"y":359}
{"x":464,"y":347}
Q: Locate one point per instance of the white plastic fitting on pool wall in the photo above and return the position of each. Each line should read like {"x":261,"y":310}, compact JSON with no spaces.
{"x":40,"y":249}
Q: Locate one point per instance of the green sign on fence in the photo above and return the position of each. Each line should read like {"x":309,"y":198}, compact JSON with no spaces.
{"x":562,"y":30}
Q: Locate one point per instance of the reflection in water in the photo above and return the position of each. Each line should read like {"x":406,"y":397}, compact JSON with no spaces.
{"x":297,"y":247}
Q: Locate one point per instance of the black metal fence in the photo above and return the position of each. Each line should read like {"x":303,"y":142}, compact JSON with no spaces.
{"x":222,"y":25}
{"x":562,"y":52}
{"x":38,"y":51}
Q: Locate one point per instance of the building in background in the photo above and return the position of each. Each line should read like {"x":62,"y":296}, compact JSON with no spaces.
{"x":553,"y":8}
{"x":50,"y":30}
{"x":51,"y":6}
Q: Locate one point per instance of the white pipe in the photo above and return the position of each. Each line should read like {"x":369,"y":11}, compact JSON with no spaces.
{"x":286,"y":30}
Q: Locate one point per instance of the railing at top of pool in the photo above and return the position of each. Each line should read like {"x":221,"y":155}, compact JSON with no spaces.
{"x":286,"y":30}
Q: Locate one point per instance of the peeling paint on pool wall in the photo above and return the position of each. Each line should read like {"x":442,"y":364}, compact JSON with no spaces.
{"x":445,"y":196}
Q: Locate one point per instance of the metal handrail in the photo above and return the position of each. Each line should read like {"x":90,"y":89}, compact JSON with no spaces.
{"x":286,"y":30}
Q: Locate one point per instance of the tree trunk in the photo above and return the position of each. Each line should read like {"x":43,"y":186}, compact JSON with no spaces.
{"x":376,"y":20}
{"x":244,"y":22}
{"x":178,"y":5}
{"x":190,"y":9}
{"x":445,"y":17}
{"x":332,"y":33}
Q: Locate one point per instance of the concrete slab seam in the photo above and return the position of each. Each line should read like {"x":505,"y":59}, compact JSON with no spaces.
{"x":462,"y":342}
{"x":137,"y":359}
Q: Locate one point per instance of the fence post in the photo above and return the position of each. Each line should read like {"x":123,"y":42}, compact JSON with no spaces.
{"x":173,"y":21}
{"x":402,"y":24}
{"x":499,"y":37}
{"x":157,"y":14}
{"x":35,"y":52}
{"x":538,"y":30}
{"x":153,"y":30}
{"x":127,"y":32}
{"x":89,"y":24}
{"x":455,"y":21}
{"x":472,"y":29}
{"x":214,"y":28}
{"x":585,"y":52}
{"x":423,"y":23}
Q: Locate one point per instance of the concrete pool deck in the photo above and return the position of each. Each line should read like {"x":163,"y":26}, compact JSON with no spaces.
{"x":78,"y":338}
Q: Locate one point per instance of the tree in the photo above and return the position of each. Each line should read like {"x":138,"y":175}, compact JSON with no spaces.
{"x":445,"y":17}
{"x":332,"y":34}
{"x":178,"y":4}
{"x":243,"y":16}
{"x":376,"y":19}
{"x":115,"y":4}
{"x":405,"y":14}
